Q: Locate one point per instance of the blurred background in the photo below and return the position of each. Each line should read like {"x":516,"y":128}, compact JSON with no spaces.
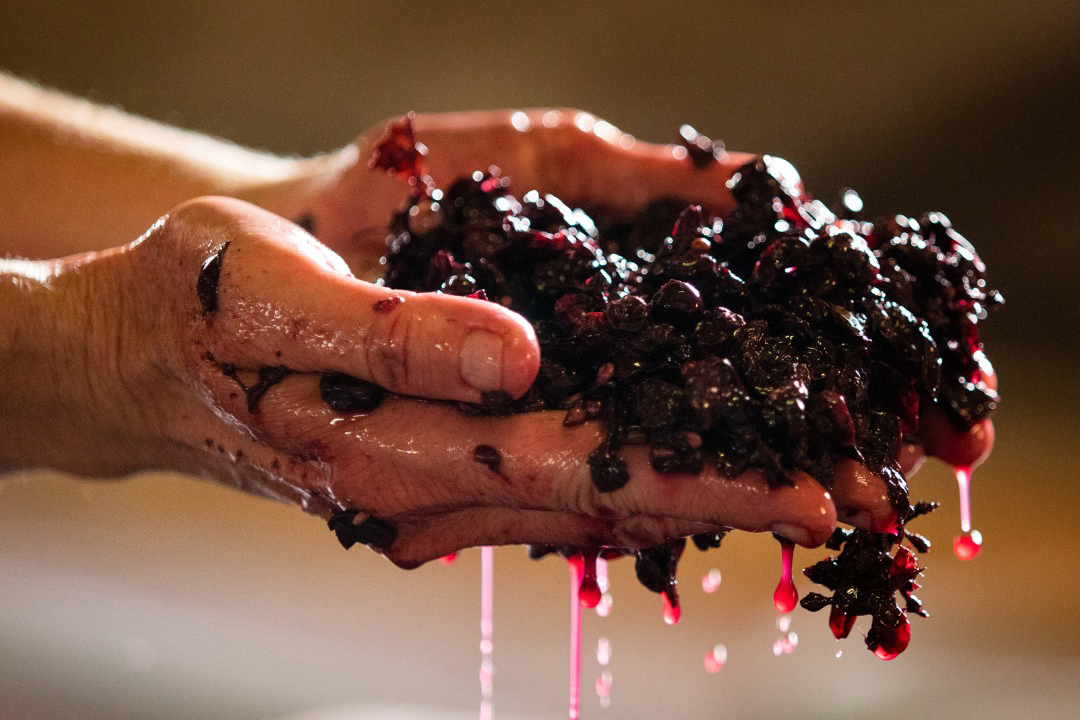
{"x":162,"y":597}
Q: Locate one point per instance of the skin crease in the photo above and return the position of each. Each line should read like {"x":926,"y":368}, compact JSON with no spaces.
{"x":286,"y":299}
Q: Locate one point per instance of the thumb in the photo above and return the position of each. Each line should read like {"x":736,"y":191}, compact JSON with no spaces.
{"x":280,"y":303}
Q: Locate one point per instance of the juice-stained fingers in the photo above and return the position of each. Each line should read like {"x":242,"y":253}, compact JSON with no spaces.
{"x":424,"y":538}
{"x":411,"y":457}
{"x":574,"y":155}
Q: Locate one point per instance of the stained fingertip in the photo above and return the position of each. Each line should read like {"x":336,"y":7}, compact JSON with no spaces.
{"x":961,"y":448}
{"x":808,"y":515}
{"x":911,"y":459}
{"x":862,"y":498}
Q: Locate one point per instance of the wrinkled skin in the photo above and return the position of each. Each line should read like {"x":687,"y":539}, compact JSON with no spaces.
{"x":286,"y":299}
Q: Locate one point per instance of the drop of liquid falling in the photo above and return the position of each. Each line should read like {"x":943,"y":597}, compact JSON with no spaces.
{"x":783,"y":623}
{"x":968,"y":544}
{"x":575,"y":636}
{"x":716,"y":658}
{"x":786,"y":597}
{"x":672,"y":611}
{"x":603,"y":651}
{"x":604,"y":608}
{"x":487,"y":667}
{"x":710,"y":582}
{"x":603,"y":684}
{"x":589,"y":590}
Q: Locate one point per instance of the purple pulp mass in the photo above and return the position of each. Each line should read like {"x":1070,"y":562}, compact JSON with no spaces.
{"x":783,"y":337}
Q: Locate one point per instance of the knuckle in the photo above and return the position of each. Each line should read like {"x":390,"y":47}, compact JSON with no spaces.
{"x":387,"y":350}
{"x":559,"y":153}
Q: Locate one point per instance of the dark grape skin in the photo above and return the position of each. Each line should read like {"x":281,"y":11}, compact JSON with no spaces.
{"x":778,"y":337}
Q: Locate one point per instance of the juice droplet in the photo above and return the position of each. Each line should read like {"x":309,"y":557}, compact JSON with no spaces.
{"x":840,"y":623}
{"x":602,"y":580}
{"x":716,"y":658}
{"x":603,"y":651}
{"x":889,"y":642}
{"x":783,"y":623}
{"x":968,"y":544}
{"x":710,"y":582}
{"x":785,"y":644}
{"x":448,"y":559}
{"x":589,"y":590}
{"x":603,"y":684}
{"x":672,"y":611}
{"x":785,"y":598}
{"x":603,"y":609}
{"x":487,"y":592}
{"x":576,"y":572}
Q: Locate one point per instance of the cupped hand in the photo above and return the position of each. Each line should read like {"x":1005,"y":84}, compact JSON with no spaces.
{"x":233,"y":315}
{"x":285,"y":308}
{"x":588,"y":162}
{"x":569,"y":153}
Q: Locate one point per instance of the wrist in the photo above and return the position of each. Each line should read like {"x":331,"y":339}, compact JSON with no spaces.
{"x":63,"y":400}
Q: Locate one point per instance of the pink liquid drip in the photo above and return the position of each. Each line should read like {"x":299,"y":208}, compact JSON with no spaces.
{"x":603,"y":684}
{"x":786,"y":597}
{"x":603,"y":609}
{"x":715,"y":659}
{"x":589,"y":590}
{"x":672,"y":611}
{"x":968,"y":544}
{"x":575,"y":636}
{"x":487,"y":591}
{"x":710,"y":581}
{"x":448,"y":559}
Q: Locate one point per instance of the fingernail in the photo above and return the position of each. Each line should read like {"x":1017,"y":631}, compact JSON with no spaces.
{"x":794,"y":533}
{"x":858,"y":518}
{"x":481,"y":360}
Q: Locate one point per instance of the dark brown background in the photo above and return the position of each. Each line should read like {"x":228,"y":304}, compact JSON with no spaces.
{"x":966,"y":107}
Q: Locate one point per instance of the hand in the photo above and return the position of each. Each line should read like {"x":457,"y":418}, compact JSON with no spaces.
{"x":584,"y":162}
{"x":161,"y":380}
{"x":168,"y":401}
{"x":346,"y":205}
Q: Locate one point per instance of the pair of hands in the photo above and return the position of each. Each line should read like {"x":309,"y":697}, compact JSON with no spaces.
{"x":150,"y":391}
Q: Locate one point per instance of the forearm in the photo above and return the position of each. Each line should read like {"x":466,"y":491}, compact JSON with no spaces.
{"x":75,"y":176}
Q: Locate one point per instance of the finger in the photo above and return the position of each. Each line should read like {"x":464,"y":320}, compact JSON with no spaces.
{"x":408,"y":456}
{"x":573,"y":155}
{"x":956,"y":446}
{"x":421,"y":539}
{"x":280,"y":303}
{"x":861,"y":497}
{"x":911,"y":459}
{"x":961,"y":448}
{"x":968,"y":448}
